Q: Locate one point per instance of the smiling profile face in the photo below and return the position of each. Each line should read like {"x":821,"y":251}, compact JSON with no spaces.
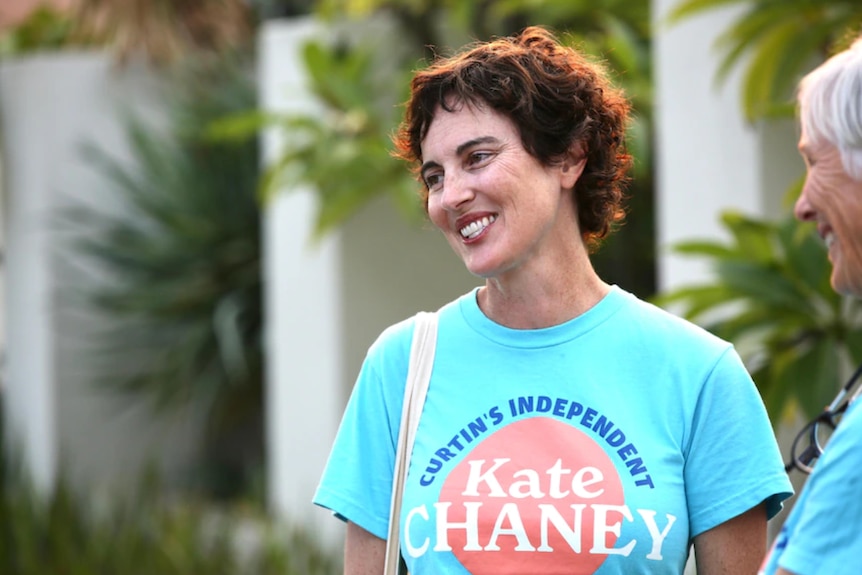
{"x":833,"y":201}
{"x":501,"y":210}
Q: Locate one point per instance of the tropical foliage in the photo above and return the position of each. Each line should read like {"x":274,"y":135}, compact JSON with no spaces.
{"x":179,"y":274}
{"x":771,"y":296}
{"x":778,"y":40}
{"x":65,"y":532}
{"x":44,"y":29}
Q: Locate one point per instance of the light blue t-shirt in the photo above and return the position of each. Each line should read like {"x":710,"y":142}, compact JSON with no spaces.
{"x":823,"y":534}
{"x":602,"y":445}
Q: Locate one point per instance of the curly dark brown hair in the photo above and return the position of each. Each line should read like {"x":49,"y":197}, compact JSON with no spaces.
{"x":556,"y":97}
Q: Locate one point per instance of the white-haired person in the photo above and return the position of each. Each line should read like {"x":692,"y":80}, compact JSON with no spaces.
{"x":823,"y":533}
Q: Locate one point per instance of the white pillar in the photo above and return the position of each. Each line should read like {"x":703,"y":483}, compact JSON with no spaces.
{"x":705,"y":152}
{"x":708,"y":157}
{"x":305,"y":380}
{"x":30,"y":385}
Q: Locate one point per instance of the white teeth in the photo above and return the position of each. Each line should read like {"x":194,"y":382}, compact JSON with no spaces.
{"x":829,"y":239}
{"x":475,"y":228}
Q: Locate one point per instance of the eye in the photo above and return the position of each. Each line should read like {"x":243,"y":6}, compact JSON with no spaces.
{"x":433,"y":180}
{"x":478,"y":157}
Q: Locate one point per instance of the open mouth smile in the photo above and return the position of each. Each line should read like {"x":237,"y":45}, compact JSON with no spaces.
{"x":476,"y":227}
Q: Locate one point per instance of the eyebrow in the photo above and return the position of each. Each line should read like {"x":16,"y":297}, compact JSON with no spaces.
{"x":460,"y":150}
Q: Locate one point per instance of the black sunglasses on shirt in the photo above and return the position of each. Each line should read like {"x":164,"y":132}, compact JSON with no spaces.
{"x":817,"y":432}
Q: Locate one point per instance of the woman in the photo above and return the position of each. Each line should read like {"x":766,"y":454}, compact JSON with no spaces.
{"x":823,"y":533}
{"x":568,"y":426}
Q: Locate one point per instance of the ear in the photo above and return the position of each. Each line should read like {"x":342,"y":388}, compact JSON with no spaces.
{"x":572,"y":166}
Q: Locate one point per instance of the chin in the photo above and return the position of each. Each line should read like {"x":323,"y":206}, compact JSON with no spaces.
{"x":482,"y":269}
{"x":853,"y":291}
{"x":481,"y":273}
{"x":849,"y":288}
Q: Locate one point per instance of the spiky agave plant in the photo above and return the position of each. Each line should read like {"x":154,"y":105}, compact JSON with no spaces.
{"x":179,"y":271}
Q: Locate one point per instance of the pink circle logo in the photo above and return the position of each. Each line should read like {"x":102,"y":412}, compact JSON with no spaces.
{"x":538,"y":496}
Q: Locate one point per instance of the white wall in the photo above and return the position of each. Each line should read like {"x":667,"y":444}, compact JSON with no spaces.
{"x":50,"y":105}
{"x":29,"y":401}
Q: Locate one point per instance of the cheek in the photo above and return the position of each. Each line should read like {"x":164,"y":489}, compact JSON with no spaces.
{"x":436,"y":213}
{"x":841,"y":198}
{"x":817,"y":189}
{"x":834,"y":194}
{"x":844,"y":212}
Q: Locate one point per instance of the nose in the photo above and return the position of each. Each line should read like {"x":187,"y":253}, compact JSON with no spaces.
{"x":803,"y":210}
{"x":457,"y":191}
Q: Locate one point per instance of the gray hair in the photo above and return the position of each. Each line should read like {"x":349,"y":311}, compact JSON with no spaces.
{"x":830,"y":106}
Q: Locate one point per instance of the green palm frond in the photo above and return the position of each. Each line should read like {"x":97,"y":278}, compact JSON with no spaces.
{"x":777,"y":41}
{"x":343,"y":153}
{"x":691,"y":8}
{"x":772,"y":298}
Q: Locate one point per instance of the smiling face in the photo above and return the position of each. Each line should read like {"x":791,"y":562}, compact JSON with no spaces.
{"x":833,"y":200}
{"x":501,"y":210}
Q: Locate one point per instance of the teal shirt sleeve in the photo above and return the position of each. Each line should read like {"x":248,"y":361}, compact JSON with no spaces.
{"x":732,"y":462}
{"x":357,"y":481}
{"x":826,"y":533}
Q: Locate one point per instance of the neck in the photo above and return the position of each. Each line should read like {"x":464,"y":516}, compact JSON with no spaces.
{"x":537,"y":302}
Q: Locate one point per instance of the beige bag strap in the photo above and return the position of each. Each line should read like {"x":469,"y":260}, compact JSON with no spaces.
{"x":418,"y":376}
